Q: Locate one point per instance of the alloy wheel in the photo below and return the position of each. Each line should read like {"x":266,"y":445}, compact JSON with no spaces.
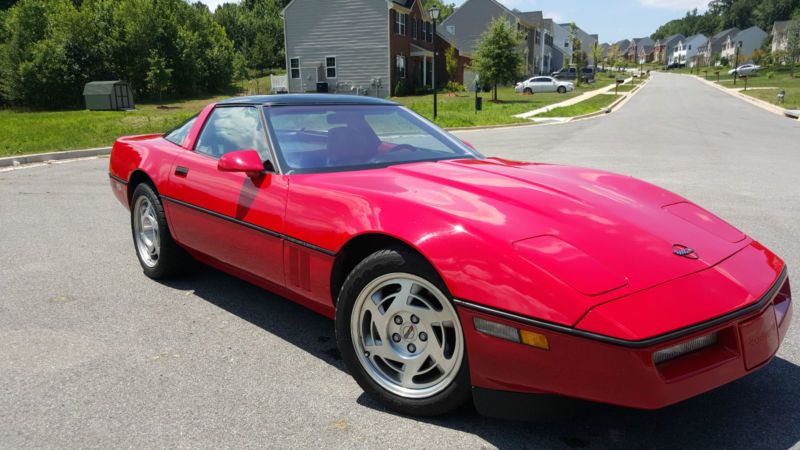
{"x":407,"y":335}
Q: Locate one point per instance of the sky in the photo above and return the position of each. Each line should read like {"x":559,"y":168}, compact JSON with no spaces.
{"x":613,"y":20}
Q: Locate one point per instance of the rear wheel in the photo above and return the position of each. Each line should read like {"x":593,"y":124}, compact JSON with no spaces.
{"x":562,"y":89}
{"x":158,"y":254}
{"x":400,"y":336}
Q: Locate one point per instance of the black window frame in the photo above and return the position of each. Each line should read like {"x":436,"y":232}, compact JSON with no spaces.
{"x":329,"y":67}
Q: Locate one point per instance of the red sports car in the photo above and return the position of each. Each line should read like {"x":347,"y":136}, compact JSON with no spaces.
{"x":451,"y":275}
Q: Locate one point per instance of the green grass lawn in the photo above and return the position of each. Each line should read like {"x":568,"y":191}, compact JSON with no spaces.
{"x":774,"y":78}
{"x":23,"y":132}
{"x":35,"y":132}
{"x":588,"y":106}
{"x":625,"y":87}
{"x":459,"y":110}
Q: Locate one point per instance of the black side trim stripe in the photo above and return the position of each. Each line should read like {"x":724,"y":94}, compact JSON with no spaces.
{"x":250,"y":225}
{"x":117,"y":179}
{"x":766,"y":298}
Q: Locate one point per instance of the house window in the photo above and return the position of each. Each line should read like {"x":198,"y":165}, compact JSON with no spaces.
{"x":401,"y":66}
{"x":401,"y":23}
{"x":294,"y":67}
{"x":451,"y":29}
{"x":429,"y":32}
{"x":330,"y":67}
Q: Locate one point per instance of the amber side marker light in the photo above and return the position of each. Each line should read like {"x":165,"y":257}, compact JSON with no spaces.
{"x":512,"y":334}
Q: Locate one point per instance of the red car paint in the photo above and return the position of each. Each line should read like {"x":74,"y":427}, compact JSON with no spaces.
{"x":585,"y":254}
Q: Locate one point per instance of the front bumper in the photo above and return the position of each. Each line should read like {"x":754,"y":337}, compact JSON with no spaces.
{"x":582,"y":367}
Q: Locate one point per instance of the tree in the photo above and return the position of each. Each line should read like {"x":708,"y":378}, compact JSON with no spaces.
{"x":49,"y":49}
{"x":578,"y":55}
{"x":613,"y":55}
{"x":497,"y":58}
{"x":758,"y":56}
{"x":597,"y":54}
{"x":793,"y":44}
{"x":451,"y":61}
{"x":159,"y":75}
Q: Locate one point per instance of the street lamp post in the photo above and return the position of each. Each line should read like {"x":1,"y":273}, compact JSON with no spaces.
{"x":736,"y":62}
{"x":434,"y":13}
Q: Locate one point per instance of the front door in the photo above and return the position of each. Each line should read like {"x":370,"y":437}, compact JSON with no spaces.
{"x":229,"y":217}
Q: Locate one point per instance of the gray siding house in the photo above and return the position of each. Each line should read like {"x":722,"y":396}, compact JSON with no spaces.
{"x":361,"y":47}
{"x":710,"y":51}
{"x":469,"y":21}
{"x":750,"y":39}
{"x":588,"y":41}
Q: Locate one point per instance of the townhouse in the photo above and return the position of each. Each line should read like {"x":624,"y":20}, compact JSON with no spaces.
{"x":746,"y":41}
{"x":663,"y":49}
{"x":393,"y":41}
{"x":687,"y":49}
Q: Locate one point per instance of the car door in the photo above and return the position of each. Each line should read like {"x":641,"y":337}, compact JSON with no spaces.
{"x":229,"y":216}
{"x":548,"y":84}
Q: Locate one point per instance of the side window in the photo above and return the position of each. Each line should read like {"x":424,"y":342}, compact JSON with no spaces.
{"x":330,"y":67}
{"x":178,"y":135}
{"x":231,"y":128}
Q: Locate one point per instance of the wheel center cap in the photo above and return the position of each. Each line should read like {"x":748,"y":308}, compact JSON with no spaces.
{"x":409,"y":332}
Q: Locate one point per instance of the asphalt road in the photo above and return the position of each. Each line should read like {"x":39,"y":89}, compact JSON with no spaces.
{"x":93,"y":354}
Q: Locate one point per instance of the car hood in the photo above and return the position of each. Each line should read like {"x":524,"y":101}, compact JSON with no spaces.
{"x":624,"y":225}
{"x":601,"y":235}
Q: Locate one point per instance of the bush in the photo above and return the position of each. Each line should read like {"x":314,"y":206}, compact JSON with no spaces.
{"x":454,"y":86}
{"x":401,"y":88}
{"x":770,"y":75}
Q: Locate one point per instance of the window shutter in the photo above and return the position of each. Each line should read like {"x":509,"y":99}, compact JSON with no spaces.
{"x":393,"y":19}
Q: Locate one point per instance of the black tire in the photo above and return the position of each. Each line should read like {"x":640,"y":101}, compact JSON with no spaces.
{"x":562,"y":90}
{"x":528,"y":91}
{"x":395,"y":260}
{"x":172,"y":260}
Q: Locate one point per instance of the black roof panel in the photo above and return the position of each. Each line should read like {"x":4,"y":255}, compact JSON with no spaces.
{"x":306,"y":99}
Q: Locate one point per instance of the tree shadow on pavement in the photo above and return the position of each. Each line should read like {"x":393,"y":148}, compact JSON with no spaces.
{"x":758,"y":411}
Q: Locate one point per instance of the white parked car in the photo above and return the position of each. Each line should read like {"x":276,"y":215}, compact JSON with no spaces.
{"x":745,"y":70}
{"x":543,"y":84}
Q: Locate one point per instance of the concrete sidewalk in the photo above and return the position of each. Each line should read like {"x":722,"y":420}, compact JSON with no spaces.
{"x":571,"y":101}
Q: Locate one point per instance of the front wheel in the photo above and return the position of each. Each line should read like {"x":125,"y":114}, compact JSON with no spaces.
{"x":528,"y":91}
{"x":400,"y":336}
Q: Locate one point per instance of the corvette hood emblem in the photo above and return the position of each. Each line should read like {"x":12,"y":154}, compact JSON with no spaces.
{"x":684,"y":251}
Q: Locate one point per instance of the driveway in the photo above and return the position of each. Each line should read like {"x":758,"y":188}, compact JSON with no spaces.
{"x":93,"y":354}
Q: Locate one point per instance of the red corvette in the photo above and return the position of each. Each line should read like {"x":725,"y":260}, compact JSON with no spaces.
{"x":451,"y":275}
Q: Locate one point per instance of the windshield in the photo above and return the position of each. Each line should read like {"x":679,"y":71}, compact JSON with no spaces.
{"x":349,"y":137}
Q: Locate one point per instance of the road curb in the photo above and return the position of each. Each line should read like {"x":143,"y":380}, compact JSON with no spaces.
{"x":752,"y":100}
{"x":11,"y":161}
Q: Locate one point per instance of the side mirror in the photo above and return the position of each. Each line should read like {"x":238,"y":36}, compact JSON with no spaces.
{"x":247,"y":161}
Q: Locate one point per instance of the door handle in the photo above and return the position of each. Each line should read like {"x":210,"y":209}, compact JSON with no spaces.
{"x":181,"y":171}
